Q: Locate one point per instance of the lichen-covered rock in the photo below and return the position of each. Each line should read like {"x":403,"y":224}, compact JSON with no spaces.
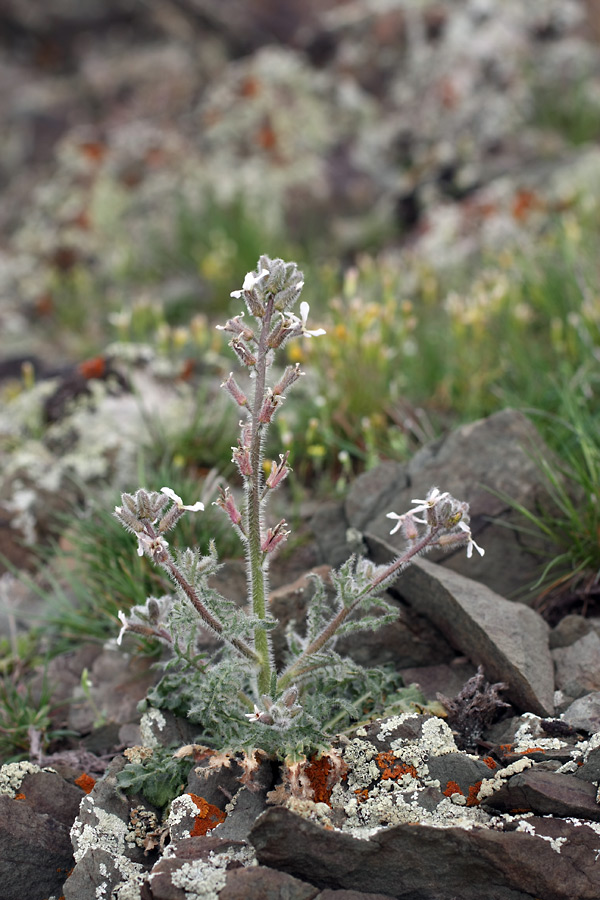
{"x":196,"y":868}
{"x":518,"y":860}
{"x":43,"y":473}
{"x":37,"y":809}
{"x":547,"y":794}
{"x":108,"y":839}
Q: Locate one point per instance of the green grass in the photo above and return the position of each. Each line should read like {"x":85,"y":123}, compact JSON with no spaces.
{"x":570,"y":520}
{"x":573,"y":113}
{"x":22,"y":711}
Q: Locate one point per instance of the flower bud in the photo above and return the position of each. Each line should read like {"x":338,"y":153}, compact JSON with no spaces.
{"x":241,"y":457}
{"x":243,"y":354}
{"x":269,"y":406}
{"x":227,"y":503}
{"x":278,"y":471}
{"x":291,"y":374}
{"x":290,"y":696}
{"x":274,"y":537}
{"x":235,"y":391}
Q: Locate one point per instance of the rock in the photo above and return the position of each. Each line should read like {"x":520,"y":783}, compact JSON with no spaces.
{"x":476,"y":463}
{"x":584,"y":714}
{"x":409,"y":641}
{"x":37,"y":809}
{"x":216,"y":784}
{"x":569,"y":630}
{"x":35,"y":851}
{"x":262,"y":883}
{"x":248,"y":807}
{"x":161,"y":728}
{"x":64,"y":672}
{"x":371,"y":491}
{"x":426,"y":863}
{"x":458,"y":770}
{"x":350,"y":895}
{"x":578,"y":666}
{"x":590,"y":770}
{"x":508,"y":639}
{"x":46,"y":793}
{"x":191,"y":816}
{"x":118,"y":682}
{"x":432,"y":680}
{"x":108,"y":840}
{"x":191,"y":862}
{"x":329,"y":524}
{"x":547,"y":794}
{"x":243,"y":802}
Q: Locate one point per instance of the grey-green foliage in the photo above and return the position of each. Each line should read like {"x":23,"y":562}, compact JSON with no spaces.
{"x":160,"y":778}
{"x":213,"y":694}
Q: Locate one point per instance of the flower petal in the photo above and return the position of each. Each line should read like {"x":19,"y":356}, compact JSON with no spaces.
{"x":170,"y":493}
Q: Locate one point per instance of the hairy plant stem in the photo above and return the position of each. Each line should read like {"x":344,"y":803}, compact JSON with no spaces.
{"x":257,"y":560}
{"x":330,"y":629}
{"x":207,"y":616}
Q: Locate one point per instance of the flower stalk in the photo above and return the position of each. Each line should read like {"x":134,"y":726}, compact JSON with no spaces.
{"x":376,"y":584}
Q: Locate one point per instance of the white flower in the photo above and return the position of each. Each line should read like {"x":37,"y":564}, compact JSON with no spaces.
{"x":398,"y":524}
{"x":249,"y":282}
{"x":470,"y":543}
{"x":151,"y":545}
{"x":124,"y":625}
{"x":304,"y":311}
{"x":434,"y":497}
{"x":179,"y":502}
{"x":254,"y":716}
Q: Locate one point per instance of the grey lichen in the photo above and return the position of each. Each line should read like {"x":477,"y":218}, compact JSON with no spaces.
{"x":12,"y":775}
{"x":370,"y":801}
{"x":106,"y":831}
{"x":151,"y":724}
{"x":203,"y":879}
{"x":490,"y":785}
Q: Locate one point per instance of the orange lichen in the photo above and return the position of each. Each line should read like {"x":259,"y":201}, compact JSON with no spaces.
{"x":472,"y":795}
{"x":85,"y":782}
{"x":250,"y":87}
{"x":93,"y":368}
{"x":452,"y":788}
{"x":19,"y":796}
{"x":266,"y":137}
{"x":93,"y":151}
{"x":209,"y":816}
{"x":318,"y":772}
{"x":391,"y":767}
{"x":362,"y":795}
{"x":524,"y":203}
{"x":531,"y":750}
{"x":506,"y":748}
{"x":490,"y":763}
{"x":517,"y":811}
